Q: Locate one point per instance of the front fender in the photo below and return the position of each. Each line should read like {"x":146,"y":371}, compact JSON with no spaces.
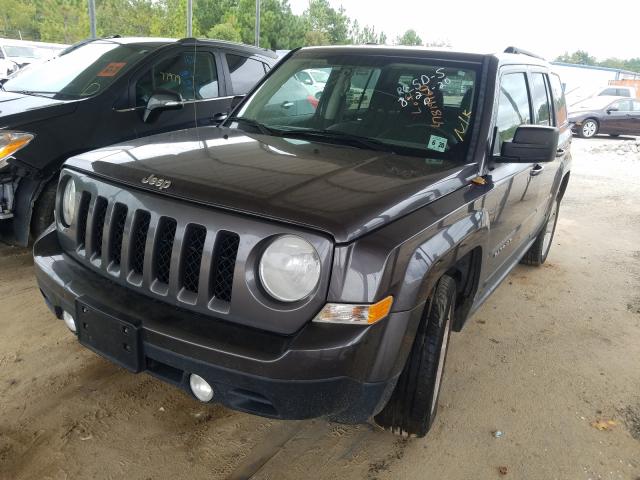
{"x":406,"y":257}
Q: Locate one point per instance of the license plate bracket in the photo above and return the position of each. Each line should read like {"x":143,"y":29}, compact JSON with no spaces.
{"x":110,"y":337}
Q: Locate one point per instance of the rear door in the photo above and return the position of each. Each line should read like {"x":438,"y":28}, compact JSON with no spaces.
{"x":544,"y":175}
{"x":619,"y":121}
{"x":635,"y":124}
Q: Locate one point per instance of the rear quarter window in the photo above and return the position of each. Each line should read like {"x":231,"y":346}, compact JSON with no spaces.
{"x":245,"y":73}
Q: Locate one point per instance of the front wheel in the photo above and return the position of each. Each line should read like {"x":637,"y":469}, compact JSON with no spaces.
{"x":537,"y":254}
{"x":589,"y":128}
{"x":412,"y":407}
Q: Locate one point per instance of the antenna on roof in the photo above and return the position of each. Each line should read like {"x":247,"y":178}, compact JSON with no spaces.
{"x":520,"y":51}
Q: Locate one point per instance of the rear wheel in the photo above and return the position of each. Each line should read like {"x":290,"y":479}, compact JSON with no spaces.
{"x":589,"y":128}
{"x":537,"y":254}
{"x":412,"y":407}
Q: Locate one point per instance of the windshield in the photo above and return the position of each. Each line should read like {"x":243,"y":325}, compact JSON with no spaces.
{"x":83,"y":72}
{"x":412,"y":106}
{"x":21,"y":51}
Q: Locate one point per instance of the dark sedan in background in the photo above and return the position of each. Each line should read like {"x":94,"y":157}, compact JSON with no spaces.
{"x":103,"y":91}
{"x":605,"y":114}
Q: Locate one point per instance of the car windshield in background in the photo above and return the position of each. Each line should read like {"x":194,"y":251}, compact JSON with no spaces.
{"x":412,"y":106}
{"x":21,"y":51}
{"x":83,"y":72}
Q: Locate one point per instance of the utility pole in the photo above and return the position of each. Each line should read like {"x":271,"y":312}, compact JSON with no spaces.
{"x":189,"y":18}
{"x":92,"y":18}
{"x":257,"y":23}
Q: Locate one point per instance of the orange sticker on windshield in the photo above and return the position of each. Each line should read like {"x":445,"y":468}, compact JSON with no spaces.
{"x":111,"y":70}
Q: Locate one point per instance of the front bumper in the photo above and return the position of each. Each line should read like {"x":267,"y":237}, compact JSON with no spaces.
{"x":344,"y":371}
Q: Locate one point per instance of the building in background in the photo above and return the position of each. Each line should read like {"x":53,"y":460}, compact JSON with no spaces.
{"x":583,"y":81}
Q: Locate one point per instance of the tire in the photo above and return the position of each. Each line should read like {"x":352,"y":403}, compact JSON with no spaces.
{"x":413,"y":405}
{"x":42,"y":215}
{"x":589,"y":128}
{"x":537,"y":254}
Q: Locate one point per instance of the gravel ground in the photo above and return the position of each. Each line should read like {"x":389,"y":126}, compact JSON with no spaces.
{"x":552,"y":361}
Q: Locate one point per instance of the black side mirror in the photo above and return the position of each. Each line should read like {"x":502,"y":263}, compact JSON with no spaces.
{"x":530,"y":144}
{"x":612,"y":108}
{"x":161,"y":100}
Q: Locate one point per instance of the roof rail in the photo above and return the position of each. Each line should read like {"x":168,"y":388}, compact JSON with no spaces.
{"x":520,"y":51}
{"x":187,"y":39}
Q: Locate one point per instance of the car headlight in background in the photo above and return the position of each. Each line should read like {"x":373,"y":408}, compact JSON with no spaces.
{"x":11,"y":142}
{"x":69,"y":202}
{"x":289,"y":269}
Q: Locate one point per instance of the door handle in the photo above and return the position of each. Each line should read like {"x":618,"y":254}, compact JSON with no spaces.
{"x":287,"y":105}
{"x":560,"y":152}
{"x":536,"y":170}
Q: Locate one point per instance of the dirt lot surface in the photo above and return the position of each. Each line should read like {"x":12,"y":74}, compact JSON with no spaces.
{"x":552,"y":360}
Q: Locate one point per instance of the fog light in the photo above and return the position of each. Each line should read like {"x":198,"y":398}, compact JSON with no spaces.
{"x":69,"y":321}
{"x":200,"y":388}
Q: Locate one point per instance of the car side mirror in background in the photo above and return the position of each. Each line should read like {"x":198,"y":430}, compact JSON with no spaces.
{"x":161,"y":100}
{"x":308,"y":81}
{"x":530,"y":144}
{"x":612,"y":108}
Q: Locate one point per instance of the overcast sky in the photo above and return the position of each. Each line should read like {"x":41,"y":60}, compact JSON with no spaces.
{"x":547,"y":27}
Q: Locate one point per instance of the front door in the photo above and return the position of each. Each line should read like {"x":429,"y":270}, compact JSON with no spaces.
{"x":512,"y":203}
{"x":193,"y":73}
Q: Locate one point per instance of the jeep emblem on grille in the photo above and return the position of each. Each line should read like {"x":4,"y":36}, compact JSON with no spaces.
{"x":161,"y":183}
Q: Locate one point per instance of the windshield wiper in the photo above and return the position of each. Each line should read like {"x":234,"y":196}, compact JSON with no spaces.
{"x":341,"y":137}
{"x":254,"y":123}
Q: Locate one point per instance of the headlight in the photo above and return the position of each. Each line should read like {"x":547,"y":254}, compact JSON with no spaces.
{"x":289,"y":269}
{"x":11,"y":142}
{"x":69,"y":202}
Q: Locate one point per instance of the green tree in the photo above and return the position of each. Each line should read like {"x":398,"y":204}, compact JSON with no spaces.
{"x":579,"y":57}
{"x":64,"y":21}
{"x":17,"y":18}
{"x":210,"y":13}
{"x":321,"y":17}
{"x":410,"y":37}
{"x":225,"y":31}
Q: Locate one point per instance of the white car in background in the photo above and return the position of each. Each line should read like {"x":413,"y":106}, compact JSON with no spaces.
{"x":580,"y":94}
{"x":313,"y":79}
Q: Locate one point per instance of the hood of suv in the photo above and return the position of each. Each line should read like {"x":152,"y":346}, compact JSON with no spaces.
{"x":341,"y":190}
{"x":31,"y":108}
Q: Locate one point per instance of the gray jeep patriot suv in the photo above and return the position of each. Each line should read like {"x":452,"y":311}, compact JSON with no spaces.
{"x":311,"y":255}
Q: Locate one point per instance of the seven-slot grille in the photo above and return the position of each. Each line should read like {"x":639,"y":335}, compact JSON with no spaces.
{"x":168,"y":254}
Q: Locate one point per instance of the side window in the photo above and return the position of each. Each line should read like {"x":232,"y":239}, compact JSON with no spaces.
{"x":192,"y":75}
{"x":540,"y":99}
{"x":609,"y":91}
{"x":513,"y":106}
{"x":245,"y":73}
{"x":624,"y":105}
{"x":623,"y":92}
{"x":636,"y":106}
{"x":363,"y":82}
{"x":559,"y":101}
